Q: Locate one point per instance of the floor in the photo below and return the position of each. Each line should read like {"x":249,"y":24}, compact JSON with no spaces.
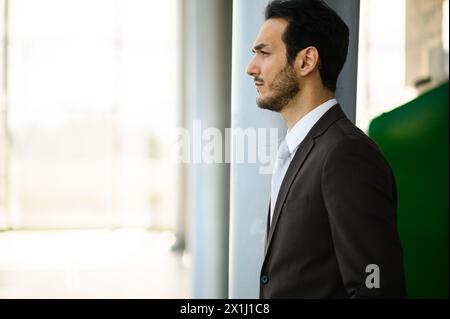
{"x":125,"y":263}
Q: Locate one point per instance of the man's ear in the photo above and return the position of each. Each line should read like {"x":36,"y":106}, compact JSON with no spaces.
{"x":306,"y":61}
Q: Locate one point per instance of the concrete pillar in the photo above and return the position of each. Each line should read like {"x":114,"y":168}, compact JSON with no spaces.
{"x":207,"y":76}
{"x":250,"y":189}
{"x":347,"y":83}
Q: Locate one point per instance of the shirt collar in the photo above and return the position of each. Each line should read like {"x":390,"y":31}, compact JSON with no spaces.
{"x":298,"y":133}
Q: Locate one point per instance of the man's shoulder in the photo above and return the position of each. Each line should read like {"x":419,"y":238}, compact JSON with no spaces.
{"x":344,"y":136}
{"x":343,"y":130}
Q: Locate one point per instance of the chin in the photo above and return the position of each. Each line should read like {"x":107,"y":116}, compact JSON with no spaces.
{"x":263,"y":97}
{"x":265,"y":105}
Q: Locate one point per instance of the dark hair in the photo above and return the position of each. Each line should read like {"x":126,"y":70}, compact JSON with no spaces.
{"x":313,"y":23}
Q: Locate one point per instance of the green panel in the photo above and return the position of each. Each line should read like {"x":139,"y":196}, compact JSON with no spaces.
{"x":414,"y":139}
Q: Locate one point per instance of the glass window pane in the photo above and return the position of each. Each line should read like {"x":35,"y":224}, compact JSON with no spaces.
{"x":92,"y":94}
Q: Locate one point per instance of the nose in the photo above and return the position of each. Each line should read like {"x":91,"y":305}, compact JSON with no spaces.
{"x":252,"y":67}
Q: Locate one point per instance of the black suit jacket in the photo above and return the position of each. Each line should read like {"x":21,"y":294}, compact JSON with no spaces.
{"x":335,"y":215}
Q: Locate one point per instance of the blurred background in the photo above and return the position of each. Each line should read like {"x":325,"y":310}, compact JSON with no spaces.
{"x":92,"y":204}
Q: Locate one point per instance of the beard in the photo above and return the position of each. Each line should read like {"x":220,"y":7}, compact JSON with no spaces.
{"x":284,"y":86}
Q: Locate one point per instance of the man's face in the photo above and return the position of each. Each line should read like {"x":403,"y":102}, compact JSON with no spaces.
{"x":275,"y":80}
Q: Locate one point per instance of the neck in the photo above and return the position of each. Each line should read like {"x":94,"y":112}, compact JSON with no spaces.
{"x":303,"y":103}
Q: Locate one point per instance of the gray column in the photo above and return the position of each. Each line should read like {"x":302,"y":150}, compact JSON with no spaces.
{"x":348,"y":10}
{"x":207,"y":76}
{"x":250,"y":190}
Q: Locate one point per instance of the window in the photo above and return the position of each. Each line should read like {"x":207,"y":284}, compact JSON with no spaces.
{"x":92,"y":92}
{"x":401,"y":57}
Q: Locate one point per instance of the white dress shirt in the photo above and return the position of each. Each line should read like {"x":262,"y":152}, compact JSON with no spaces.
{"x":289,"y":147}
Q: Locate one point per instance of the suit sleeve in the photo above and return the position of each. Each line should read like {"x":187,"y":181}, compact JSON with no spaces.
{"x":360,"y":197}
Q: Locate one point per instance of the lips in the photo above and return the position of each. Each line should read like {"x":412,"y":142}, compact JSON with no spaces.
{"x":258,"y":81}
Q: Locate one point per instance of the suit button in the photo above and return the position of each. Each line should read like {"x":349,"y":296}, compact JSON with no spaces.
{"x":264,"y":279}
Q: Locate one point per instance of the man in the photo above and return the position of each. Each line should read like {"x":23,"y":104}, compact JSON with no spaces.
{"x":331,"y":230}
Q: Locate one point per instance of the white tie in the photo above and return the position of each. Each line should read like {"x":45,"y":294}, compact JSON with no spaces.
{"x":281,"y":166}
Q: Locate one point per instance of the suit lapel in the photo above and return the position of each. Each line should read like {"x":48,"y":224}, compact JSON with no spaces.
{"x":297,"y":162}
{"x":305,"y":148}
{"x":266,"y":235}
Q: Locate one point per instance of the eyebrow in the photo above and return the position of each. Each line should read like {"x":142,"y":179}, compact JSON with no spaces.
{"x":259,"y":47}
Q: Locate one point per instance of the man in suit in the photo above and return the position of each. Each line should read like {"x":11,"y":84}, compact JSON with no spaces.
{"x":332,"y":226}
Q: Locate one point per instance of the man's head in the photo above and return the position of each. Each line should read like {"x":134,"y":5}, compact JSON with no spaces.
{"x":302,"y":43}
